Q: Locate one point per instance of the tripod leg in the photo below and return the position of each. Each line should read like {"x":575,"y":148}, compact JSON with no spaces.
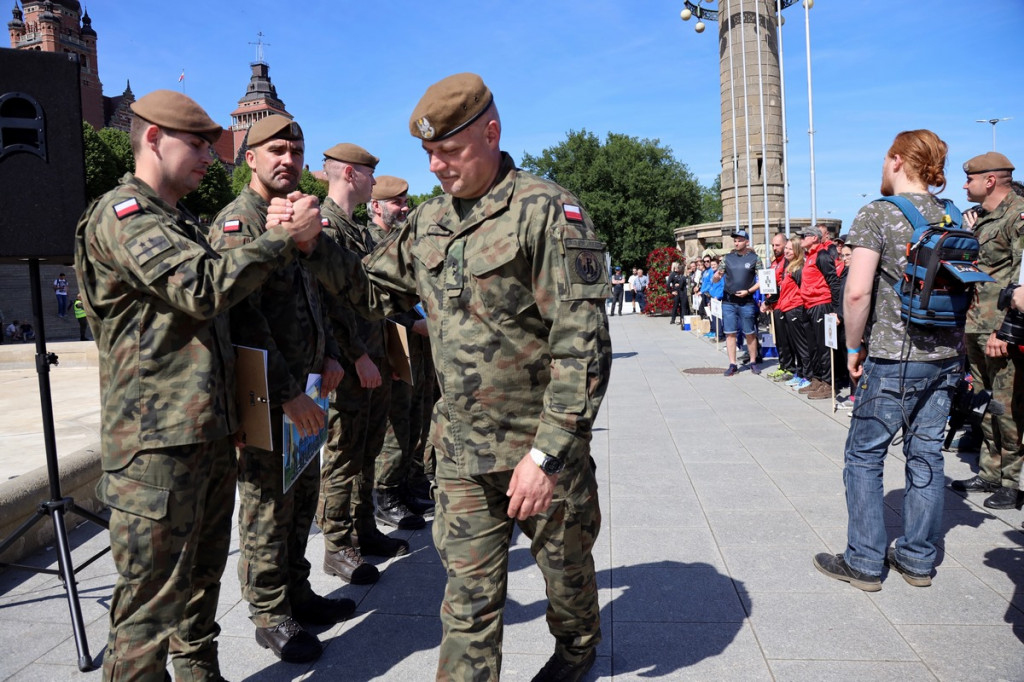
{"x":67,"y":571}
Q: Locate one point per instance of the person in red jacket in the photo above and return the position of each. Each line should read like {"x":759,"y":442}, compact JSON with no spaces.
{"x":790,"y":307}
{"x":819,"y":289}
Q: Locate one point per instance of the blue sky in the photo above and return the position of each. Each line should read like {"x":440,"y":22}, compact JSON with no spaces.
{"x":353,"y":71}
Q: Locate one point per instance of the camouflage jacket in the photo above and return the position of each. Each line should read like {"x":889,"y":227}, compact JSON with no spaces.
{"x":360,"y":334}
{"x":999,"y":233}
{"x":514,"y":293}
{"x":284,"y":316}
{"x":154,"y":292}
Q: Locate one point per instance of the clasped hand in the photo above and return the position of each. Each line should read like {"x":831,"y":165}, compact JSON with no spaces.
{"x":299,"y":214}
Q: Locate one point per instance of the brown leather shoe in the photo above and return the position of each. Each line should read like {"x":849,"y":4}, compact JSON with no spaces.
{"x":348,"y":565}
{"x":824,"y":392}
{"x":815,"y":385}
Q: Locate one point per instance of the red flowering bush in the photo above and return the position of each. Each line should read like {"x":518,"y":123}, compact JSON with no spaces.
{"x":659,"y":266}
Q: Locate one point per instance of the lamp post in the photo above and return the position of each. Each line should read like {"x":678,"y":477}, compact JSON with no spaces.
{"x":993,"y":121}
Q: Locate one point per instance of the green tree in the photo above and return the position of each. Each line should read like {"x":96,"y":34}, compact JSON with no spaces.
{"x":213,"y":193}
{"x":240,"y":178}
{"x":711,"y":202}
{"x":635,"y":191}
{"x":120,"y":145}
{"x":417,"y":199}
{"x":100,"y":166}
{"x":309,"y":184}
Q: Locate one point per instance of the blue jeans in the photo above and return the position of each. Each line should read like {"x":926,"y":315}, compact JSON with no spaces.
{"x":739,"y":316}
{"x":881,"y":410}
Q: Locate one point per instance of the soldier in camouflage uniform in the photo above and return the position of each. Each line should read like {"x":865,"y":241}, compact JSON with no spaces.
{"x":396,"y":504}
{"x":999,"y":229}
{"x":904,"y":379}
{"x":358,"y":415}
{"x":512,"y":277}
{"x":287,"y":319}
{"x":155,"y":292}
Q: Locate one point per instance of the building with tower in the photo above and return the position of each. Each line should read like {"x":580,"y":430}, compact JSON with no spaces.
{"x":63,"y":27}
{"x":260,"y":100}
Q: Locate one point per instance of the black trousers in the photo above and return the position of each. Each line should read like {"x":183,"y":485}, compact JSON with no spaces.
{"x":786,"y":360}
{"x":821,"y":355}
{"x":796,"y":340}
{"x":679,"y":307}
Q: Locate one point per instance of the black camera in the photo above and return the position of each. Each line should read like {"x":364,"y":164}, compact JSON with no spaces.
{"x":1012,"y":329}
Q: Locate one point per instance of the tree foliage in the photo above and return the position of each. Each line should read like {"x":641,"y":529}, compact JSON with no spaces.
{"x":417,"y":199}
{"x":711,"y":202}
{"x":240,"y":178}
{"x":120,"y":145}
{"x":635,"y":191}
{"x":213,"y":193}
{"x":100,"y":166}
{"x":309,"y":184}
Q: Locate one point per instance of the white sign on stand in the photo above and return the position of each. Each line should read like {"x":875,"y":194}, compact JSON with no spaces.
{"x":716,"y":308}
{"x":832,"y":331}
{"x":766,"y":282}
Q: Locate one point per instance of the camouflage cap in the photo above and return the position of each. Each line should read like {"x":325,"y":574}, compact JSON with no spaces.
{"x":273,"y":127}
{"x":988,"y":163}
{"x":389,"y":187}
{"x":810,"y":231}
{"x":449,"y":106}
{"x":346,"y":152}
{"x":176,"y":111}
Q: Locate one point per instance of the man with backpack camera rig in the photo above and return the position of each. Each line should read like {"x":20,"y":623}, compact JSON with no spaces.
{"x":904,"y":365}
{"x":999,"y":228}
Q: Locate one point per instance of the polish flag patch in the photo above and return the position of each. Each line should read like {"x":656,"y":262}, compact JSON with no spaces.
{"x":126,"y":208}
{"x":232,"y":225}
{"x":573,"y":212}
{"x":325,"y":222}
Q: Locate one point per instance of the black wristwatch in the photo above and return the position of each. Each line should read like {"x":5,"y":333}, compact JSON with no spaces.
{"x":548,"y":464}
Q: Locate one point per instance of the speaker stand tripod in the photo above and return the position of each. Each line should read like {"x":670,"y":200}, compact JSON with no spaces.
{"x":58,"y":505}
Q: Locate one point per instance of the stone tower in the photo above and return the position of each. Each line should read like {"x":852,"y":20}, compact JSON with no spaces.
{"x":260,"y":100}
{"x":752,"y":128}
{"x":61,"y":27}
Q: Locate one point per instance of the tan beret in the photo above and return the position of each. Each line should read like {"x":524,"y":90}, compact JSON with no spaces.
{"x":448,"y":106}
{"x":273,"y":127}
{"x":346,"y":152}
{"x":176,"y":111}
{"x":389,"y":187}
{"x":987,"y":163}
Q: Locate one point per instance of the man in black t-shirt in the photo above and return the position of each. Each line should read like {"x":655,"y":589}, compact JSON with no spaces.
{"x":738,"y":308}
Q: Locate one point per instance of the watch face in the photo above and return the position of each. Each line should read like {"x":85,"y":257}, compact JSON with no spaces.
{"x":552,"y":465}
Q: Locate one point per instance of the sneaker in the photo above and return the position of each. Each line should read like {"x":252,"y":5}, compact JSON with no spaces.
{"x":784,"y":377}
{"x":794,"y":380}
{"x":754,"y":368}
{"x":774,"y":376}
{"x":912,"y":577}
{"x":835,"y":566}
{"x":802,"y":384}
{"x":732,"y":370}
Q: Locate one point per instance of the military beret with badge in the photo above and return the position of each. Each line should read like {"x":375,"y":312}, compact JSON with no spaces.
{"x":989,"y":162}
{"x":450,"y":106}
{"x":273,"y":127}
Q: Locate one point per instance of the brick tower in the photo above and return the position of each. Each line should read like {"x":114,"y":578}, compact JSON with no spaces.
{"x":61,"y":27}
{"x":260,"y":100}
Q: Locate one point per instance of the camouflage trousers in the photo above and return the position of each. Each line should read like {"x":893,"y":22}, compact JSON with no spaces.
{"x":401,"y":457}
{"x":472,"y":533}
{"x":273,"y":530}
{"x":170,"y":530}
{"x":1001,"y":453}
{"x":355,"y":433}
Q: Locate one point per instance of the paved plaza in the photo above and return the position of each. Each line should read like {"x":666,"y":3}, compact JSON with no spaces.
{"x":715,"y":494}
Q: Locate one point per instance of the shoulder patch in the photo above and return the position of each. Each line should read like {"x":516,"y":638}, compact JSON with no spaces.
{"x":232,"y":226}
{"x":148,"y":246}
{"x":126,"y":208}
{"x":573,"y":213}
{"x":325,"y":222}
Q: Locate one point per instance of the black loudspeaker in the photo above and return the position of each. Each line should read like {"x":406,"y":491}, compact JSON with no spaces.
{"x":42,"y":167}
